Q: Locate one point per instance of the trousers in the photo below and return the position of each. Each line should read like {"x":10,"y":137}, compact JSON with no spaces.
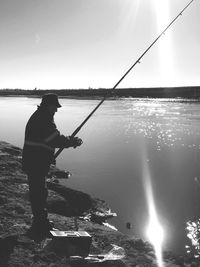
{"x":38,"y":195}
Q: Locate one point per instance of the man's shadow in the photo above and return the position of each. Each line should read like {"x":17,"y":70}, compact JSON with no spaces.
{"x":7,"y":245}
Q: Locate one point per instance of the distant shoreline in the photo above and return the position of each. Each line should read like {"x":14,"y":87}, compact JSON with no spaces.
{"x":188,"y":92}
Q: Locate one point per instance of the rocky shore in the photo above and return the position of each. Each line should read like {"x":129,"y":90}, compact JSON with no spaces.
{"x":68,"y":209}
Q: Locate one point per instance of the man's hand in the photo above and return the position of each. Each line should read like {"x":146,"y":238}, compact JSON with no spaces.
{"x":76,"y":142}
{"x":73,"y":142}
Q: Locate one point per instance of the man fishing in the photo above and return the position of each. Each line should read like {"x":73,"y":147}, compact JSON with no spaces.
{"x":41,"y":139}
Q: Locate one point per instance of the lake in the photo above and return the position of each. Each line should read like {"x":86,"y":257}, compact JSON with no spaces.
{"x":124,"y":142}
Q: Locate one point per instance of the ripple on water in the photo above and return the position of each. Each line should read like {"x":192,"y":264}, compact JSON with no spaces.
{"x":168,"y":122}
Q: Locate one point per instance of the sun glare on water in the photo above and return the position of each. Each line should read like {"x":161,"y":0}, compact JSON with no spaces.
{"x":155,"y":233}
{"x":154,"y":229}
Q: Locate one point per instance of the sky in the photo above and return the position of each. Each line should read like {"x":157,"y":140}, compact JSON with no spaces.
{"x":72,"y":44}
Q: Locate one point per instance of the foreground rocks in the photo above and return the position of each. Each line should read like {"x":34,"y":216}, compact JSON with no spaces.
{"x":109,"y":247}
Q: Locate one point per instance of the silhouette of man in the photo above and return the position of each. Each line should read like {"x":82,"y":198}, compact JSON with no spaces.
{"x":41,"y":139}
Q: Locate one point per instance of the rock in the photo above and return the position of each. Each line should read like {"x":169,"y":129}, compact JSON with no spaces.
{"x":101,"y":217}
{"x":58,"y":174}
{"x":19,"y":208}
{"x":60,"y":206}
{"x":79,"y":201}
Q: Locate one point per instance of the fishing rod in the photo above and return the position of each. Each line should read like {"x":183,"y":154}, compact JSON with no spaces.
{"x":126,"y":73}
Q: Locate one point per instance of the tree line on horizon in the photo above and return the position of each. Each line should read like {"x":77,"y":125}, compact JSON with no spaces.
{"x":159,"y":92}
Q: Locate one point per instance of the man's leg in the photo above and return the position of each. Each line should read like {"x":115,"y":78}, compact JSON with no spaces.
{"x":38,"y":196}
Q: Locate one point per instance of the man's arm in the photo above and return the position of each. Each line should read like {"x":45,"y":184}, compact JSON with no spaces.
{"x":56,"y":140}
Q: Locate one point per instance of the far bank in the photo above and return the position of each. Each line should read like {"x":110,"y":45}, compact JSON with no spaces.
{"x":190,"y":92}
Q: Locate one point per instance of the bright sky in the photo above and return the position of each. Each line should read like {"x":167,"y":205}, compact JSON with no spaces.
{"x":60,"y":44}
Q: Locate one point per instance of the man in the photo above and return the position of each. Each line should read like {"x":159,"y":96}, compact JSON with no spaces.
{"x":41,"y":139}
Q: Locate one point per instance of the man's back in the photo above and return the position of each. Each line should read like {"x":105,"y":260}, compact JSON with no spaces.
{"x":37,"y":151}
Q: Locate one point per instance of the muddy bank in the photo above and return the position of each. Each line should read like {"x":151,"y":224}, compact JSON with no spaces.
{"x":64,"y":205}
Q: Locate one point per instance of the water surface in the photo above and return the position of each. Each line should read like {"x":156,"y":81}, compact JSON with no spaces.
{"x":121,"y":139}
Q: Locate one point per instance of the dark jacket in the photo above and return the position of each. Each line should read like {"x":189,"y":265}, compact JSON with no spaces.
{"x":41,"y":139}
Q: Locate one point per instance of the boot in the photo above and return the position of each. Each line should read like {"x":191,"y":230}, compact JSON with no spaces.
{"x":40,"y":230}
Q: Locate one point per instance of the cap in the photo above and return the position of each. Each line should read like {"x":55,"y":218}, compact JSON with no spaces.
{"x":50,"y":99}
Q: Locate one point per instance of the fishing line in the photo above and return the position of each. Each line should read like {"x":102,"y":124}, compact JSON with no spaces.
{"x":126,"y":73}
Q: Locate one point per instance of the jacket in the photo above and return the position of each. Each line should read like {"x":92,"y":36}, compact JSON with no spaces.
{"x":41,"y":139}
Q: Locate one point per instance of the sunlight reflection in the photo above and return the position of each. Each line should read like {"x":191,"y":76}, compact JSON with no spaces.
{"x":154,"y":231}
{"x":193,"y":229}
{"x":164,"y":121}
{"x":162,"y":11}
